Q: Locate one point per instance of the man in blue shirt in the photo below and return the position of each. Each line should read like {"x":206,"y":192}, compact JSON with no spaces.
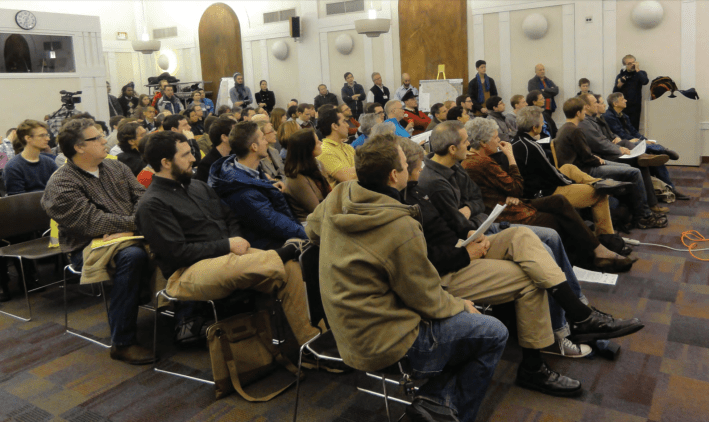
{"x":29,"y":171}
{"x":395,"y":112}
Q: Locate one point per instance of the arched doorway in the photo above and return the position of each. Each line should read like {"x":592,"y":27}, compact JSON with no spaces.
{"x":17,"y":54}
{"x":219,"y":45}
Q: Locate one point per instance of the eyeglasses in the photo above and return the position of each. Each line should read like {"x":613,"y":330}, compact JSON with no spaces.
{"x":95,"y":138}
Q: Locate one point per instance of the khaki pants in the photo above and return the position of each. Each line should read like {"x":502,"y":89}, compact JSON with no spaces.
{"x":582,"y":195}
{"x":517,"y":268}
{"x":263,"y":271}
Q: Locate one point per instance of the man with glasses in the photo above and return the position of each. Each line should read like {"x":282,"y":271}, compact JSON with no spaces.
{"x":30,"y":171}
{"x":466,"y":104}
{"x":378,"y":93}
{"x":92,"y":198}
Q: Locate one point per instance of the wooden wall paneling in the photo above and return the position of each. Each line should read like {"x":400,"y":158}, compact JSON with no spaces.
{"x":433,"y":32}
{"x":219,"y":45}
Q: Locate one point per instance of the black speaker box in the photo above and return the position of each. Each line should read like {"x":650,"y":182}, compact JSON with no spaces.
{"x":295,"y":26}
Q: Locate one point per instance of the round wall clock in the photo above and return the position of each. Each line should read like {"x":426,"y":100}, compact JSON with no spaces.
{"x":25,"y":19}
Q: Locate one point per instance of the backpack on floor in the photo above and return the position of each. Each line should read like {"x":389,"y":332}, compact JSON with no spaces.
{"x":663,"y":191}
{"x":660,"y":85}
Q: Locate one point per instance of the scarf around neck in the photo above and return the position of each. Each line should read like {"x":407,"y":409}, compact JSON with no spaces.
{"x":481,"y":92}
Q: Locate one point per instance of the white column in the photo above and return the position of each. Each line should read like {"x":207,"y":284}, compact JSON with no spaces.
{"x":688,"y":48}
{"x":569,"y":54}
{"x":610,"y":63}
{"x":248,"y":66}
{"x":324,"y":61}
{"x":309,"y":47}
{"x":264,"y":62}
{"x":478,"y":39}
{"x":390,"y":78}
{"x":366,"y":79}
{"x":504,"y":89}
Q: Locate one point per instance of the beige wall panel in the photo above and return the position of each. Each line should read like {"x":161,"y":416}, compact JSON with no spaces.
{"x":378,"y":63}
{"x":703,"y":61}
{"x":282,"y":75}
{"x":491,"y":25}
{"x":657,"y":49}
{"x":525,"y":53}
{"x":339,"y":64}
{"x":257,"y":67}
{"x":25,"y":106}
{"x":124,"y":68}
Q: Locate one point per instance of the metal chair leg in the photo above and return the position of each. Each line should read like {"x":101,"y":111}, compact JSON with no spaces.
{"x":297,"y":381}
{"x":66,"y":312}
{"x":386,"y":397}
{"x":27,"y":294}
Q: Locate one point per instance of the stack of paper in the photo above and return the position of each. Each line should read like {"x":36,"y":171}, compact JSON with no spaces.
{"x":483,"y":227}
{"x":637,"y":151}
{"x":595,"y":277}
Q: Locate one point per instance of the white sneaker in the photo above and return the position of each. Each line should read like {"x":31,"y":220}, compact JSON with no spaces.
{"x":567,"y":348}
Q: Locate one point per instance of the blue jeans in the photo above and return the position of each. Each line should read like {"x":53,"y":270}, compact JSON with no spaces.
{"x":458,"y":355}
{"x":552,"y":242}
{"x":659,"y":171}
{"x":131,"y":265}
{"x":624,"y":173}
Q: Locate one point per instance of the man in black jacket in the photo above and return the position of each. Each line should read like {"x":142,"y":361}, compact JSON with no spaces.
{"x":197,"y":241}
{"x":380,"y":93}
{"x":324,"y":97}
{"x":219,"y":135}
{"x":630,"y":82}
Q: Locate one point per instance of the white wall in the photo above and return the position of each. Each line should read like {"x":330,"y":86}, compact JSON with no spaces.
{"x":37,"y":94}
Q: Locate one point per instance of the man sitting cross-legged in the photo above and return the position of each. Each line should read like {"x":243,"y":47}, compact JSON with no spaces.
{"x":197,"y":240}
{"x":512,"y":265}
{"x":254,"y":198}
{"x":384,"y":299}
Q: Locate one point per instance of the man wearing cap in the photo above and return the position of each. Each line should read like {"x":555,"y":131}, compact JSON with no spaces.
{"x":240,"y":95}
{"x":413,"y":114}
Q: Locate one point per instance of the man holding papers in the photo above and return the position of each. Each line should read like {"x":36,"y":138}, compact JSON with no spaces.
{"x":512,"y":265}
{"x":607,"y":149}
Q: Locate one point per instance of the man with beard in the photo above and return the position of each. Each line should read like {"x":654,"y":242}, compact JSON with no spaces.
{"x":240,"y":95}
{"x":197,"y":240}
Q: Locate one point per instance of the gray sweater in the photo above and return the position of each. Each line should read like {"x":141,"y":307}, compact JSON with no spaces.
{"x":598,"y":142}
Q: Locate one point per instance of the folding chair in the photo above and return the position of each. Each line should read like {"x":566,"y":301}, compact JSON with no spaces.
{"x":309,"y":263}
{"x":23,"y":214}
{"x":70,"y":269}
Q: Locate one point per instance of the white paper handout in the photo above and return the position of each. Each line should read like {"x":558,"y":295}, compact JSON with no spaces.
{"x":422,"y":137}
{"x":637,"y":151}
{"x":544,"y":141}
{"x":483,"y":227}
{"x":595,"y":277}
{"x":424,"y":101}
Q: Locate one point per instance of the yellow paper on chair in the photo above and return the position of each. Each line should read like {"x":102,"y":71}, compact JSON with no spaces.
{"x":53,"y":234}
{"x":100,"y":243}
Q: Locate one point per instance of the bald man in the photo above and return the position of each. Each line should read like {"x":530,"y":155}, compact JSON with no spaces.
{"x":547,"y":86}
{"x":405,"y":87}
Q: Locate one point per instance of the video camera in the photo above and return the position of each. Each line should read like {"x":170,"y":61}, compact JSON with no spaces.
{"x":70,"y":98}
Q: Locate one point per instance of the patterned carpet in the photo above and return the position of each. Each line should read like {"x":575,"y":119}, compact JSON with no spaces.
{"x":662,"y":373}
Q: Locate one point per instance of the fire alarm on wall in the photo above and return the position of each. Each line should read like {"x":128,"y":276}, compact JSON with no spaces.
{"x":122,"y":36}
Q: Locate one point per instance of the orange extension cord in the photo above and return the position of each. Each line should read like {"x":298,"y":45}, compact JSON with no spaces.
{"x":695,"y":237}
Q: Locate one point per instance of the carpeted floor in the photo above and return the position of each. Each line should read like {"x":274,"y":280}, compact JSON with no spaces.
{"x":662,"y":373}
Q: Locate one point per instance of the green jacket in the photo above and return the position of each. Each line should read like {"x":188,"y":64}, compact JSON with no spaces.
{"x":376,"y":282}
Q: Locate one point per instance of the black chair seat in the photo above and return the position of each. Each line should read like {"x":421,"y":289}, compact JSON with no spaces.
{"x":32,"y":249}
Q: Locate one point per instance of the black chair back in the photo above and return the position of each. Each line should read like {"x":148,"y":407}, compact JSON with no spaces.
{"x":22,"y":214}
{"x":310,"y":265}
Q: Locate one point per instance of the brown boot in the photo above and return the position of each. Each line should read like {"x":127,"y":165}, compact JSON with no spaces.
{"x":134,"y":354}
{"x":649,"y":160}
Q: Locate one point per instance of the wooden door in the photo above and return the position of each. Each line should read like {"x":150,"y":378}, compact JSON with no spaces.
{"x":219,"y":46}
{"x":433,"y":33}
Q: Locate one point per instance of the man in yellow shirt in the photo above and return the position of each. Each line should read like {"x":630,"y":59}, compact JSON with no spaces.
{"x":337,"y":157}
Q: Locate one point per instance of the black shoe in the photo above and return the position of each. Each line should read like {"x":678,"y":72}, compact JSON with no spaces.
{"x":673,"y":155}
{"x":601,"y":326}
{"x":548,"y":382}
{"x":612,"y":187}
{"x":133,"y":354}
{"x":680,"y":196}
{"x":652,"y":221}
{"x":609,"y":265}
{"x":4,"y":291}
{"x":421,"y":410}
{"x":192,"y":330}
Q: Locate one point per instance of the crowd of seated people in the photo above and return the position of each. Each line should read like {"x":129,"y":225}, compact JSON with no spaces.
{"x":227,"y":199}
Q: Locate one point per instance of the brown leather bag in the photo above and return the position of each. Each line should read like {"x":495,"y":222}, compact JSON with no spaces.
{"x":242,"y":351}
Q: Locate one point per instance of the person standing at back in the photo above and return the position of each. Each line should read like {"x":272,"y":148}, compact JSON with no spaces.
{"x":630,"y":82}
{"x":353,"y":95}
{"x":480,"y":88}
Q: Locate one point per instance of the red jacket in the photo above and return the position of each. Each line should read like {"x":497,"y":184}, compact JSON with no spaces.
{"x":421,"y":121}
{"x":353,"y":125}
